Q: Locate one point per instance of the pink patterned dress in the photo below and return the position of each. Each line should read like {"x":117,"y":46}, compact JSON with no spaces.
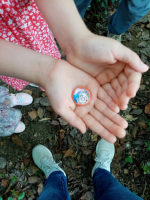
{"x":22,"y":23}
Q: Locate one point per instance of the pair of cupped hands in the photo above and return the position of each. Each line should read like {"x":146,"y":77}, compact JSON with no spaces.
{"x":111,"y":72}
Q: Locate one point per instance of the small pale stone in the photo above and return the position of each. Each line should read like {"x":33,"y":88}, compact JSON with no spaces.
{"x":33,"y":179}
{"x":126,"y":171}
{"x":45,"y":101}
{"x":3,"y":163}
{"x":142,"y":87}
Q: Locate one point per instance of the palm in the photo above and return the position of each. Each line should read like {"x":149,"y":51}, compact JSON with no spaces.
{"x":99,"y":115}
{"x":104,"y":60}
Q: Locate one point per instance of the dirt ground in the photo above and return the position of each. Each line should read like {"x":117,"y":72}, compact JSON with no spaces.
{"x":21,"y":179}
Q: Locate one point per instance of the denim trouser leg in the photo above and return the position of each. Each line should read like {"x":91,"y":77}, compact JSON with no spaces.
{"x":106,"y":187}
{"x":82,"y":6}
{"x":55,"y":187}
{"x":128,"y":12}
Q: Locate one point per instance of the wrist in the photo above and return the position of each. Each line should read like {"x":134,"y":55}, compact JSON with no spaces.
{"x":44,"y":69}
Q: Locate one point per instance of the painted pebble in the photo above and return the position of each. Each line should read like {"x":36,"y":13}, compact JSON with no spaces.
{"x":81,"y":96}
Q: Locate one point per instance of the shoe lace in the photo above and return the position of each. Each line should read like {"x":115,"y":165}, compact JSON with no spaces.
{"x":20,"y":100}
{"x":103,"y":158}
{"x":48,"y":163}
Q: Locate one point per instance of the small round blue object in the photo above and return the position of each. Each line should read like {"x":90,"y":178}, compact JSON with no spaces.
{"x":81,"y":96}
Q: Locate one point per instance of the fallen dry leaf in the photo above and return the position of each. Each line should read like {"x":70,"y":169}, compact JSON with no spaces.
{"x":62,"y":121}
{"x":112,"y":12}
{"x":33,"y":114}
{"x":62,"y":131}
{"x":15,"y":193}
{"x":69,"y":152}
{"x":94,"y":137}
{"x":130,"y":118}
{"x":136,"y":173}
{"x":22,"y":166}
{"x":17,"y":140}
{"x":26,"y":161}
{"x":40,"y":112}
{"x":27,"y":91}
{"x":32,"y":170}
{"x":62,"y":135}
{"x":54,"y":122}
{"x":143,"y":124}
{"x":86,"y":151}
{"x":40,"y":188}
{"x":4,"y":183}
{"x":147,"y":109}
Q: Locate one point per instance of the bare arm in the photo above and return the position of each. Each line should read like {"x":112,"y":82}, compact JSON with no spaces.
{"x":64,"y":21}
{"x":23,"y":63}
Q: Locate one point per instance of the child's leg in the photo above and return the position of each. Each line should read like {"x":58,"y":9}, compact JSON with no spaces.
{"x":3,"y":93}
{"x":82,"y":6}
{"x":9,"y":120}
{"x":128,"y":12}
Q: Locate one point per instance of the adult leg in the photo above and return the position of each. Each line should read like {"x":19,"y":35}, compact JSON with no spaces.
{"x":55,"y":187}
{"x":56,"y":184}
{"x":128,"y":12}
{"x":105,"y":185}
{"x":82,"y":6}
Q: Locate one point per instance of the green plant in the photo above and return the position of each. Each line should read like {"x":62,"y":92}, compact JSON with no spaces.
{"x":135,"y":192}
{"x":146,"y":168}
{"x":129,"y":159}
{"x":148,"y":125}
{"x":1,"y":198}
{"x":10,"y":198}
{"x":39,"y":173}
{"x":147,"y":144}
{"x":1,"y":175}
{"x":21,"y":196}
{"x":14,"y":178}
{"x":17,"y":195}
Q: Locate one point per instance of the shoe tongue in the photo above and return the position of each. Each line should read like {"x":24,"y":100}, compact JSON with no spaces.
{"x":103,"y":154}
{"x":45,"y":160}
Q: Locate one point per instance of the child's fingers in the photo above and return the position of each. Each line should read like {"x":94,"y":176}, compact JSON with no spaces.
{"x":129,"y":57}
{"x":73,"y":119}
{"x":107,"y":112}
{"x":105,"y":97}
{"x":134,"y":79}
{"x":96,"y":127}
{"x":112,"y":93}
{"x":108,"y":124}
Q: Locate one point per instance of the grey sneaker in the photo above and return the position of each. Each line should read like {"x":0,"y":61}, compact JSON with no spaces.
{"x":115,"y":37}
{"x":44,"y":160}
{"x":104,"y":154}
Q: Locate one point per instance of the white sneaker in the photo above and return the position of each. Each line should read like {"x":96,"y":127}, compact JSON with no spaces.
{"x":115,"y":37}
{"x":44,"y":160}
{"x":20,"y":128}
{"x":21,"y":98}
{"x":104,"y":154}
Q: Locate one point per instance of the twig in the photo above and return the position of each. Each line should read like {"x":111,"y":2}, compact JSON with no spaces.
{"x":144,"y":190}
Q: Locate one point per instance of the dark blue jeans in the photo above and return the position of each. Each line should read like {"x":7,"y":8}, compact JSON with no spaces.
{"x":128,"y":12}
{"x":106,"y":187}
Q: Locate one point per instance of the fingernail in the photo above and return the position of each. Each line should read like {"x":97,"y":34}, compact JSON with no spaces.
{"x":144,"y":66}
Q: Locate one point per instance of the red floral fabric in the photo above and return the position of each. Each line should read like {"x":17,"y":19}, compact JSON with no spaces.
{"x":22,"y":23}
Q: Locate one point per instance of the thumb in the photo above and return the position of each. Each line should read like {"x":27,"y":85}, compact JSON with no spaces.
{"x":129,"y":57}
{"x":73,"y":119}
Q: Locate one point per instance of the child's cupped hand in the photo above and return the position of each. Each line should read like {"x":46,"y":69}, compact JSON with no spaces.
{"x":108,"y":61}
{"x":100,"y":115}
